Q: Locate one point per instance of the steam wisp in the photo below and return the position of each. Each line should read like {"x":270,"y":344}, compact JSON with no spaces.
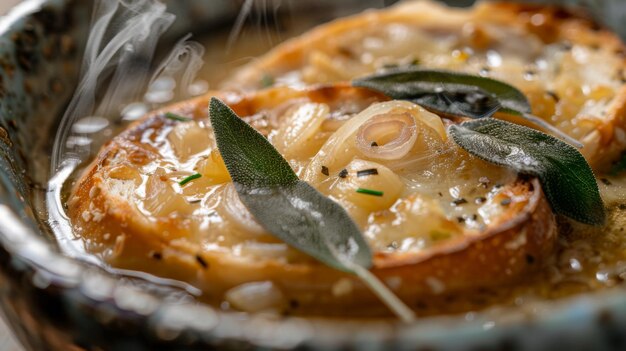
{"x":117,"y":69}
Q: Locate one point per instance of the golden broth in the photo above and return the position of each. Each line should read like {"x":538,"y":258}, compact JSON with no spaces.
{"x":586,"y":259}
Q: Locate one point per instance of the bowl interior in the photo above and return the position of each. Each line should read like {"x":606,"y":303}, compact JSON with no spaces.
{"x":54,"y":301}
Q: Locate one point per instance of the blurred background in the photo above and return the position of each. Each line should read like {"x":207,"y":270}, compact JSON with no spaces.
{"x":7,"y":341}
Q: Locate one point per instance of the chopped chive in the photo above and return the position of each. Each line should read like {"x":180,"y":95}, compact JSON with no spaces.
{"x":436,"y":235}
{"x":325,"y":171}
{"x":175,"y":117}
{"x":369,"y":192}
{"x":367,"y":172}
{"x":190,"y":178}
{"x":267,"y":80}
{"x":343,"y":173}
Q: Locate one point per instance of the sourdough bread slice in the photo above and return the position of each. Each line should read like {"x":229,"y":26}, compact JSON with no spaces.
{"x":447,"y":222}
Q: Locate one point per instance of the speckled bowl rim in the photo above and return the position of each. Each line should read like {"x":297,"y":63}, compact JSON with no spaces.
{"x":579,"y":322}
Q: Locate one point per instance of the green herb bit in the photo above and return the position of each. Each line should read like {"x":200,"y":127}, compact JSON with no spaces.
{"x":458,"y":94}
{"x":437,"y":235}
{"x":369,"y":192}
{"x":566,"y":177}
{"x":175,"y":117}
{"x":291,"y":209}
{"x":267,"y":80}
{"x":189,"y":179}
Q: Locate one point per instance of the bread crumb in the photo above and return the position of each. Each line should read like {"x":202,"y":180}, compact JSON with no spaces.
{"x":342,"y":287}
{"x":86,"y":216}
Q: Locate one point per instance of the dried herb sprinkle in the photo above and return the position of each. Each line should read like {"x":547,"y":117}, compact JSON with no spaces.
{"x":175,"y":117}
{"x":325,"y":171}
{"x":367,"y":172}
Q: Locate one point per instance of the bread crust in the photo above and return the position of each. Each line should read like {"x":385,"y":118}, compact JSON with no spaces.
{"x":514,"y":245}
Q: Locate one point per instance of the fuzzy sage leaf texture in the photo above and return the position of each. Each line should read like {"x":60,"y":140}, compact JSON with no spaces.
{"x":449,"y":93}
{"x":249,"y":157}
{"x":459,"y":95}
{"x":291,"y":209}
{"x":565,"y":175}
{"x":305,"y":219}
{"x":283,"y":205}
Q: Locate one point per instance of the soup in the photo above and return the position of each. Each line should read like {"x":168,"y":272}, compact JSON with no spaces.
{"x":443,"y":224}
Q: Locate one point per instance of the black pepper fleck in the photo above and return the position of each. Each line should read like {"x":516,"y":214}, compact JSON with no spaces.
{"x":530,"y":259}
{"x":343,"y":173}
{"x":156,"y":255}
{"x":605,"y":181}
{"x":553,"y":95}
{"x":202,"y":262}
{"x":374,"y":144}
{"x":325,"y":171}
{"x":367,"y":172}
{"x":458,"y":202}
{"x":480,"y":200}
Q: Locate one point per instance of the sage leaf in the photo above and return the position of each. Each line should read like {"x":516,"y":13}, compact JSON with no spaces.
{"x":250,"y":158}
{"x":450,"y":93}
{"x":458,"y":95}
{"x":565,"y":175}
{"x":291,"y":209}
{"x":285,"y":206}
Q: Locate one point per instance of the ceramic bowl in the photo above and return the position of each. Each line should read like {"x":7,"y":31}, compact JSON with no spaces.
{"x":53,"y":302}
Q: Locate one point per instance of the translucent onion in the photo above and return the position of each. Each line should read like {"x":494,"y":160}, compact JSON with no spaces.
{"x":255,"y":297}
{"x":342,"y":147}
{"x":238,"y":213}
{"x":296,"y":135}
{"x":394,"y":135}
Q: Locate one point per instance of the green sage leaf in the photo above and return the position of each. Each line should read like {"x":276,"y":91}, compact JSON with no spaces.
{"x":290,"y":209}
{"x":565,"y":175}
{"x":450,"y":93}
{"x":250,"y":158}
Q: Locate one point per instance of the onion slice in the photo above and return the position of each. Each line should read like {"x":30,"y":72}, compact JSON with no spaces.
{"x":239,"y":213}
{"x":387,"y":137}
{"x":343,"y":146}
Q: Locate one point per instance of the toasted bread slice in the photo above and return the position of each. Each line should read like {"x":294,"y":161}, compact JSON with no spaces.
{"x":571,"y":70}
{"x":447,"y":221}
